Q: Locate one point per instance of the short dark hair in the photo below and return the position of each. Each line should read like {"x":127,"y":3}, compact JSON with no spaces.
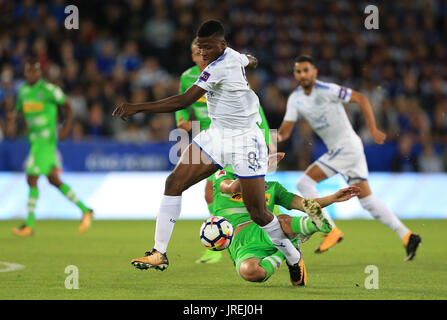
{"x":211,"y":28}
{"x":305,"y":58}
{"x":32,"y":61}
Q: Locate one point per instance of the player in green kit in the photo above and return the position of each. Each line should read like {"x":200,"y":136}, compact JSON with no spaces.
{"x":200,"y":110}
{"x":253,"y":254}
{"x":187,"y":79}
{"x":40,"y":102}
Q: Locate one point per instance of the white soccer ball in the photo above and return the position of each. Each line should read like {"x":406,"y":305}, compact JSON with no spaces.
{"x":216,"y":233}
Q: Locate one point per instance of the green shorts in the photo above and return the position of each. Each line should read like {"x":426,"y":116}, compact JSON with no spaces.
{"x":250,"y":242}
{"x":41,"y":160}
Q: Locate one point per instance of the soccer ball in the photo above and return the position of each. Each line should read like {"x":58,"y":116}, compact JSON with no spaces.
{"x":216,"y":233}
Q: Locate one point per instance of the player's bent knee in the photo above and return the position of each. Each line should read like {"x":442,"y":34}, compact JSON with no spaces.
{"x":286,"y":224}
{"x":258,"y":214}
{"x":251,"y":271}
{"x":261,"y":219}
{"x":55,"y":181}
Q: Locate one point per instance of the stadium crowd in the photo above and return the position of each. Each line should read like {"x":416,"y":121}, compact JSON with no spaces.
{"x":136,"y":50}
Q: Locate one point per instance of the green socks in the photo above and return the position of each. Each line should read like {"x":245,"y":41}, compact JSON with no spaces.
{"x":303,"y":225}
{"x":300,"y":225}
{"x":66,"y":190}
{"x":32,"y":201}
{"x":271,"y":263}
{"x":34,"y":195}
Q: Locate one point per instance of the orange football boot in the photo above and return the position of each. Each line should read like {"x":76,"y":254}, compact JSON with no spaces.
{"x":152,"y":259}
{"x":330,"y":239}
{"x":22,"y":231}
{"x":298,"y":273}
{"x":86,"y":221}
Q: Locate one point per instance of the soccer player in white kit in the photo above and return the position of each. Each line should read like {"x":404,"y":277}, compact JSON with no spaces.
{"x":321,"y":105}
{"x":233,"y":138}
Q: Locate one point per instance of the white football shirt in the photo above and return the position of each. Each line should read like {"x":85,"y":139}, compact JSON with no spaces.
{"x":231,"y":103}
{"x":324,"y":111}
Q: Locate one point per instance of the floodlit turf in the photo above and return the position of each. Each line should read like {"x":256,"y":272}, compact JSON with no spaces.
{"x":102,"y":256}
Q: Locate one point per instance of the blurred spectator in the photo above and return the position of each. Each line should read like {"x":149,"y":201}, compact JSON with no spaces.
{"x":150,"y":73}
{"x":405,"y":160}
{"x":131,"y":133}
{"x":7,"y":87}
{"x":96,"y":126}
{"x":105,"y":60}
{"x":40,"y":50}
{"x":78,"y":104}
{"x":440,"y":120}
{"x":429,"y":160}
{"x":159,"y":29}
{"x":26,"y":9}
{"x":130,"y":59}
{"x":77,"y":132}
{"x":160,"y":125}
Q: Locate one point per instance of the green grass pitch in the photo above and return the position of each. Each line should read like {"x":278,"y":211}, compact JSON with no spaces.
{"x":102,"y":256}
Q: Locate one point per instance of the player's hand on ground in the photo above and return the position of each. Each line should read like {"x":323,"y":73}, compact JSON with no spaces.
{"x":185,"y":125}
{"x":378,"y":136}
{"x":346,"y":193}
{"x":123,"y":110}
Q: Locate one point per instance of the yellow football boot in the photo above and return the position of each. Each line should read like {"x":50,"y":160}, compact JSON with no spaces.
{"x":151,"y":260}
{"x":22,"y":231}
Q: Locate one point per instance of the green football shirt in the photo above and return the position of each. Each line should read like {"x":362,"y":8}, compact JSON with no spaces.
{"x":39,"y":104}
{"x":231,"y":206}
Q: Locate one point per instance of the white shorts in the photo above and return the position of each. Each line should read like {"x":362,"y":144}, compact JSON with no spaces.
{"x":349,"y":161}
{"x":244,"y":150}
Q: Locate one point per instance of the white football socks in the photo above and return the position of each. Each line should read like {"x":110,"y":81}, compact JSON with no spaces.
{"x":308,"y":189}
{"x":281,"y":242}
{"x":379,"y":211}
{"x":170,"y":208}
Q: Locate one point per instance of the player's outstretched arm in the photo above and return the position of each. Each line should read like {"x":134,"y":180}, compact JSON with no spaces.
{"x":170,"y":104}
{"x":340,"y":196}
{"x":365,"y":106}
{"x":68,"y":120}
